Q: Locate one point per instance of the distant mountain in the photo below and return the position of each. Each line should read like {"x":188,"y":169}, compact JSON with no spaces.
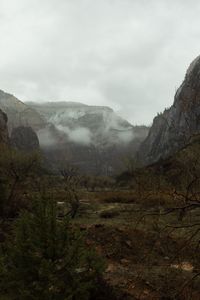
{"x":172,"y":129}
{"x":87,"y":125}
{"x":94,"y":138}
{"x":19,"y":114}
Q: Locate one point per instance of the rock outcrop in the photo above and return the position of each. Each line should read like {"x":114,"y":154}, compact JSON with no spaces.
{"x":24,"y":139}
{"x":172,"y":129}
{"x":20,"y":114}
{"x":3,"y":128}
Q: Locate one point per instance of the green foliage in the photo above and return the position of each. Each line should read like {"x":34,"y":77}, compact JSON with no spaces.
{"x":47,"y":259}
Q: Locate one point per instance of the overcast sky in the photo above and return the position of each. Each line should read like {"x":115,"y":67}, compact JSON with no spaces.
{"x":128,"y":54}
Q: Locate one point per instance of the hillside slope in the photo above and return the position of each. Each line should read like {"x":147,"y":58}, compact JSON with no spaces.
{"x":18,"y":113}
{"x":172,"y":129}
{"x":3,"y":128}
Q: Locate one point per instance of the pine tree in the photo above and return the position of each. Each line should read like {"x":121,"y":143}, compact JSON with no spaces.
{"x":46,"y":259}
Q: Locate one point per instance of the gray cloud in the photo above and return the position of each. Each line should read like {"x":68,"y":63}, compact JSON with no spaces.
{"x":79,"y":135}
{"x":46,"y":139}
{"x":130,"y":55}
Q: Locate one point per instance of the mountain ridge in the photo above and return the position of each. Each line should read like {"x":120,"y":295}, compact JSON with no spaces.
{"x":93,"y":138}
{"x":172,"y":129}
{"x":18,"y":113}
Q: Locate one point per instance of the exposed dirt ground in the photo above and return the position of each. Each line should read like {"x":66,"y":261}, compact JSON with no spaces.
{"x":144,"y":260}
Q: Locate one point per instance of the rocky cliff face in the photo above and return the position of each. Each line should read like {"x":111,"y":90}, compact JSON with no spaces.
{"x":3,"y":128}
{"x":19,"y":114}
{"x":25,"y":139}
{"x":172,"y":129}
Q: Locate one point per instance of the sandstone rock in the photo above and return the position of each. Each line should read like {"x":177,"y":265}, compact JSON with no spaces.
{"x":172,"y":129}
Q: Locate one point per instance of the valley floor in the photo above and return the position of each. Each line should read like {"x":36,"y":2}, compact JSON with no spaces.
{"x":150,"y":253}
{"x":146,"y":259}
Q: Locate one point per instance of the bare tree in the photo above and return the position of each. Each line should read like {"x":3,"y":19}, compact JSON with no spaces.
{"x":71,"y":182}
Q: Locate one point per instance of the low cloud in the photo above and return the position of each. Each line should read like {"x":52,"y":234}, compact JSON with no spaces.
{"x":79,"y":135}
{"x":126,"y":137}
{"x":46,"y":138}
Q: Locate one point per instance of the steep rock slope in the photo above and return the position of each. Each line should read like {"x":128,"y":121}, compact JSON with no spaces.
{"x":25,"y":139}
{"x":180,"y":170}
{"x":3,"y":128}
{"x":19,"y":114}
{"x":172,"y":129}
